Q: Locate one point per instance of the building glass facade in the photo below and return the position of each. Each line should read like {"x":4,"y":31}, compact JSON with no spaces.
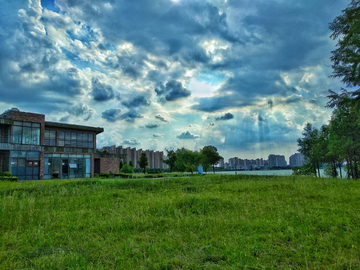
{"x":26,"y":133}
{"x":32,"y":148}
{"x":25,"y":164}
{"x":67,"y":166}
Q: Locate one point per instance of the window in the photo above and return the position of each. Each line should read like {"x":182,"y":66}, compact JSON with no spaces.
{"x":26,"y":133}
{"x":74,"y":139}
{"x":4,"y":133}
{"x":25,"y":165}
{"x":50,"y":137}
{"x":66,"y":166}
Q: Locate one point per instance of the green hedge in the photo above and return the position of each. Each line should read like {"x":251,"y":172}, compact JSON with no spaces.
{"x":8,"y":178}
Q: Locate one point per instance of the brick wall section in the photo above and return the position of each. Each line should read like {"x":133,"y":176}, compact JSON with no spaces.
{"x":108,"y":164}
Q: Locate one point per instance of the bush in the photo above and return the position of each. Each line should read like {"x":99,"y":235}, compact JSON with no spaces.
{"x":6,"y":176}
{"x":127,"y":169}
{"x":302,"y":171}
{"x":105,"y":174}
{"x":5,"y":173}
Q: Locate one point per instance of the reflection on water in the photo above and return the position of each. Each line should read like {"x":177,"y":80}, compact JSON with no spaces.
{"x":273,"y":172}
{"x":268,"y":172}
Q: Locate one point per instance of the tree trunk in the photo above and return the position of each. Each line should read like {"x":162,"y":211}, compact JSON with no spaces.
{"x":213,"y":166}
{"x":340,"y":170}
{"x":356,"y":172}
{"x":349,"y":164}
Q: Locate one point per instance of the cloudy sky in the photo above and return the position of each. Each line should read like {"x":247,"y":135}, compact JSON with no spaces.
{"x":242,"y":75}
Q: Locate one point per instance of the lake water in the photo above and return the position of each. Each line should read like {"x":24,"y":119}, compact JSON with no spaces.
{"x":272,"y":172}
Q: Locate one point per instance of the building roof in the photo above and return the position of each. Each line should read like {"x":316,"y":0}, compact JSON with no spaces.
{"x":72,"y":126}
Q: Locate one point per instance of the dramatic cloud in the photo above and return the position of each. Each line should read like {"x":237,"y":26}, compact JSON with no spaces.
{"x":187,"y":136}
{"x":172,"y":90}
{"x":262,"y":65}
{"x":82,"y":110}
{"x":112,"y":115}
{"x":226,"y":116}
{"x":101,"y":91}
{"x":130,"y":116}
{"x":136,"y":102}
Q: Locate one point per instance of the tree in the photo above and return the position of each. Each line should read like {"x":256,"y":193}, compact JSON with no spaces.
{"x":127,"y":169}
{"x":345,"y":130}
{"x":210,"y":156}
{"x":171,"y":159}
{"x":131,"y":164}
{"x":143,"y":162}
{"x":187,"y":160}
{"x":346,"y":58}
{"x":121,"y":164}
{"x":311,"y":149}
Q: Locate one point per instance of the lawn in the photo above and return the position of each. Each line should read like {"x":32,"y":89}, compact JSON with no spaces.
{"x":208,"y":222}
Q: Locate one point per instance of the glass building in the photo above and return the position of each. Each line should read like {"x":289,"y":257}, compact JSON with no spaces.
{"x":32,"y":148}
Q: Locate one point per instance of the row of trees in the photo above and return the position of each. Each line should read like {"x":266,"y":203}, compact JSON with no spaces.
{"x":339,"y":141}
{"x":186,"y":160}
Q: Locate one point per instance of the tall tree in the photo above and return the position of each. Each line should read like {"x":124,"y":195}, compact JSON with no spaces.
{"x":346,"y":58}
{"x":143,"y":162}
{"x":210,"y":156}
{"x":171,"y":159}
{"x":187,"y":160}
{"x":311,"y":149}
{"x":345,"y":130}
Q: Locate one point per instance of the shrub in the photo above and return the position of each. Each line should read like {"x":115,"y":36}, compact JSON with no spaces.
{"x":302,"y":171}
{"x":127,"y":169}
{"x":5,"y":173}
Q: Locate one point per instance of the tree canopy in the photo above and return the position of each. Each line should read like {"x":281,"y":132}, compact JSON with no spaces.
{"x":339,"y":141}
{"x":210,"y":156}
{"x":186,"y":160}
{"x":346,"y":57}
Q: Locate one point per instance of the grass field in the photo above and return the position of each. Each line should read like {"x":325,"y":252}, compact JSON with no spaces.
{"x":209,"y":222}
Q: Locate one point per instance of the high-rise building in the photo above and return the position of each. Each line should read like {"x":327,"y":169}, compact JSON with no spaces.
{"x":277,"y":161}
{"x":296,"y":160}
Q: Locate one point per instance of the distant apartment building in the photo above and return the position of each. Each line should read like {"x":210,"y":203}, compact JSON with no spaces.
{"x":155,"y":158}
{"x":221,"y":163}
{"x":276,"y":161}
{"x":296,"y":160}
{"x":236,"y":163}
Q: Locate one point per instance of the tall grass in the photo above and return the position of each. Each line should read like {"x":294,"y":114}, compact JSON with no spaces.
{"x":212,"y":222}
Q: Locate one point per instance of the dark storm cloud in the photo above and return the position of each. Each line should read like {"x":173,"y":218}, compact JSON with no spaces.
{"x":111,"y":115}
{"x":172,"y":90}
{"x":187,"y":136}
{"x":151,"y":126}
{"x":161,"y":118}
{"x":131,"y":115}
{"x":226,"y":116}
{"x":101,"y":91}
{"x":136,"y":102}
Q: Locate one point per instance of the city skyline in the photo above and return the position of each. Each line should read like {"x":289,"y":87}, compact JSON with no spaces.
{"x":243,"y":76}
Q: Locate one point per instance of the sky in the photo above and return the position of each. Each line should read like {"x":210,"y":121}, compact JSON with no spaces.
{"x":242,"y":75}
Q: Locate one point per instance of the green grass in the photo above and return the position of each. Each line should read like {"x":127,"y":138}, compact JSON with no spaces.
{"x":210,"y":222}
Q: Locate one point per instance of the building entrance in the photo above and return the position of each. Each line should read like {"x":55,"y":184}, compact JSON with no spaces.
{"x":4,"y":161}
